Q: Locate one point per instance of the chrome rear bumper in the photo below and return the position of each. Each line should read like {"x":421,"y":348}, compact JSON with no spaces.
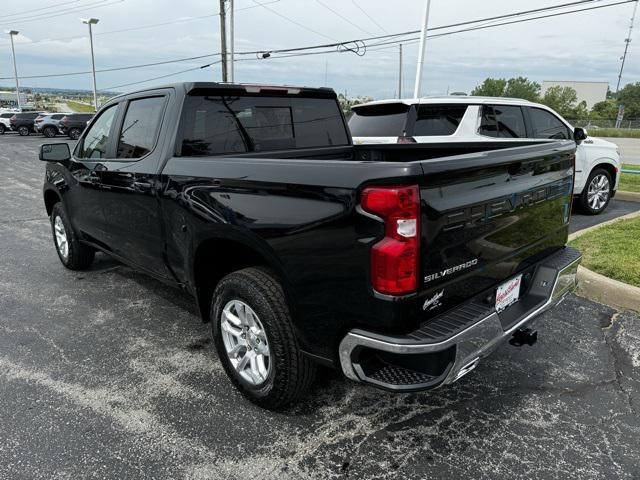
{"x":554,"y":278}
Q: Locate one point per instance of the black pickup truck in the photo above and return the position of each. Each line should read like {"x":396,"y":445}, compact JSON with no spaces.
{"x":402,"y":265}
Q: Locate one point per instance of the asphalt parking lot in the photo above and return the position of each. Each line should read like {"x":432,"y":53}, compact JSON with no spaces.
{"x":110,"y":374}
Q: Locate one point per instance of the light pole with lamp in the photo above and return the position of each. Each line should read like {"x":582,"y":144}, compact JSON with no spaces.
{"x":90,"y":22}
{"x":13,"y":33}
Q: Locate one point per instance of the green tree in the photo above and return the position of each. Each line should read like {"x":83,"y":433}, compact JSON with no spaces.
{"x":606,"y":110}
{"x":562,"y":99}
{"x":629,"y":96}
{"x":491,"y":87}
{"x":522,"y":87}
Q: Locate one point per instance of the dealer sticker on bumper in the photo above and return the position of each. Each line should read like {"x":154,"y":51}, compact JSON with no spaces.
{"x":508,"y":293}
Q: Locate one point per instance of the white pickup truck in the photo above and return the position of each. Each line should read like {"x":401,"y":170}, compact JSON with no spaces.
{"x":490,"y":119}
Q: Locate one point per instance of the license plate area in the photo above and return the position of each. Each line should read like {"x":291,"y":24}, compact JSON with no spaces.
{"x":508,"y":293}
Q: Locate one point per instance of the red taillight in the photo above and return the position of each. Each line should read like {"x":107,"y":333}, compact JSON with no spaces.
{"x":394,"y":259}
{"x":406,"y":140}
{"x":64,"y":119}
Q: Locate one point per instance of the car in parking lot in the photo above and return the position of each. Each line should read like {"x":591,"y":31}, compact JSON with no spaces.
{"x":4,"y":121}
{"x":73,"y":124}
{"x":455,"y":119}
{"x":47,"y":124}
{"x":23,"y":123}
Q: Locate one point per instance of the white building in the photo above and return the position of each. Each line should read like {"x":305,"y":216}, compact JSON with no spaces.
{"x":590,"y":92}
{"x":8,"y":99}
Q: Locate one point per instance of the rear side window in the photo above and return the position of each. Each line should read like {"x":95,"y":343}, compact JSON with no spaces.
{"x":140,"y":127}
{"x":57,"y":117}
{"x":214,"y":125}
{"x":438,"y":120}
{"x":547,"y":125}
{"x":387,"y":120}
{"x":7,"y":115}
{"x":504,"y":121}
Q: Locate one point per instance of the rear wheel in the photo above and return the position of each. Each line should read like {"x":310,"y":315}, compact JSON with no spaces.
{"x":597,"y":192}
{"x":23,"y":131}
{"x":255,"y":339}
{"x":72,"y":253}
{"x":74,"y":133}
{"x":49,"y":132}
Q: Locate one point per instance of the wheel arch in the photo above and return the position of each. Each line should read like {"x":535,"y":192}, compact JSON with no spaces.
{"x":216,"y":257}
{"x":51,"y":197}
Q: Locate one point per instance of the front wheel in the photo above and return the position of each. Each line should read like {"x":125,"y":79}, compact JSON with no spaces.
{"x":2,"y":128}
{"x":256,"y":341}
{"x":24,"y":131}
{"x":72,"y":253}
{"x":597,"y":192}
{"x":49,"y":132}
{"x":74,"y":133}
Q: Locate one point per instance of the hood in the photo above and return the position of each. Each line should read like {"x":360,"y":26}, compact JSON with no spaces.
{"x":599,"y":142}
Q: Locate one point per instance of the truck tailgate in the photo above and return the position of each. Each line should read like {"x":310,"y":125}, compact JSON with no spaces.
{"x":488,"y":217}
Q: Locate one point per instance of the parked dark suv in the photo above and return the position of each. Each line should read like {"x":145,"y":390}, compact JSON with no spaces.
{"x":74,"y":124}
{"x":23,"y":123}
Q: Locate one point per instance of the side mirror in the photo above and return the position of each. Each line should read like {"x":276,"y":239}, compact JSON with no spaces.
{"x":55,"y":152}
{"x":579,"y":134}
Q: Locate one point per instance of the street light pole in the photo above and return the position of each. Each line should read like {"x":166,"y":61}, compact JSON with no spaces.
{"x":400,"y":71}
{"x":223,"y":40}
{"x":90,"y":22}
{"x":627,"y":41}
{"x":423,"y":42}
{"x":12,"y":34}
{"x":231,"y":42}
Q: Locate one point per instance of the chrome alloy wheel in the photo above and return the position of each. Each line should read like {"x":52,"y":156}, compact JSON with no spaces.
{"x":598,"y":192}
{"x":62,"y":243}
{"x":245,"y":342}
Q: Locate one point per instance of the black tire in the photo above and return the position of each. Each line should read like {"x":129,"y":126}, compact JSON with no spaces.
{"x":49,"y":131}
{"x":24,"y":131}
{"x":596,"y":194}
{"x":291,"y":373}
{"x":74,"y":133}
{"x":79,"y":256}
{"x":2,"y":129}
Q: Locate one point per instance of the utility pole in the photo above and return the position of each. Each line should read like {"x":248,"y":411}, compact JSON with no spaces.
{"x":627,"y":41}
{"x":400,"y":71}
{"x":12,"y":34}
{"x":223,"y":40}
{"x":90,"y":22}
{"x":232,"y":41}
{"x":423,"y":42}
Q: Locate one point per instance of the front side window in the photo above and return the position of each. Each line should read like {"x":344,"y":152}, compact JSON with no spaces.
{"x":94,"y":145}
{"x":214,"y":125}
{"x":547,"y":125}
{"x":140,"y":127}
{"x":438,"y":120}
{"x":504,"y":121}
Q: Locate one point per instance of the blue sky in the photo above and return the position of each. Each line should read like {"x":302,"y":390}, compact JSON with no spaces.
{"x":585,"y":46}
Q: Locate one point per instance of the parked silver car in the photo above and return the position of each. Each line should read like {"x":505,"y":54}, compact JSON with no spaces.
{"x":47,"y":124}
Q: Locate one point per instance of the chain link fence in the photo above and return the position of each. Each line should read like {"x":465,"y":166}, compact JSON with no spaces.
{"x":626,"y":123}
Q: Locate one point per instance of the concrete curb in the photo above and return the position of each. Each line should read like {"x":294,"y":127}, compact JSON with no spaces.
{"x":603,"y":289}
{"x":607,"y":291}
{"x":627,"y":196}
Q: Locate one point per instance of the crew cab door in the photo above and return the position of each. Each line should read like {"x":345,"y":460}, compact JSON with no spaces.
{"x":129,"y":184}
{"x":83,"y":200}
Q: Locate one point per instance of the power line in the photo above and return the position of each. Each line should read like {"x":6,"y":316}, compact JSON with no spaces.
{"x":37,"y":9}
{"x":343,"y":17}
{"x":392,"y":39}
{"x":291,"y":20}
{"x":89,"y":6}
{"x":369,"y":16}
{"x":144,"y":27}
{"x":161,"y":76}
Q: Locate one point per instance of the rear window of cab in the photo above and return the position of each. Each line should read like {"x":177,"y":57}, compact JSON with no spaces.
{"x":398,"y":119}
